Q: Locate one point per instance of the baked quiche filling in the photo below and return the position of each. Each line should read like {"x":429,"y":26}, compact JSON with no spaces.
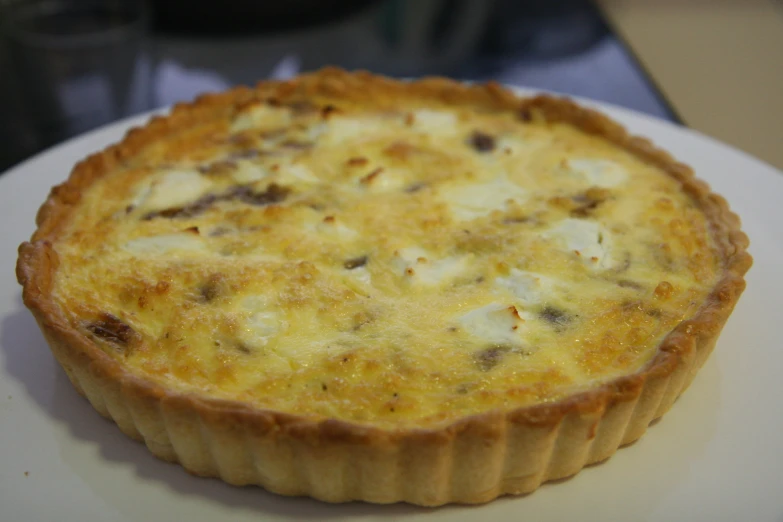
{"x":398,"y":266}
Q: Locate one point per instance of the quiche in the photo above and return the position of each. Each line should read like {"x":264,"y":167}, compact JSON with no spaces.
{"x":355,"y":288}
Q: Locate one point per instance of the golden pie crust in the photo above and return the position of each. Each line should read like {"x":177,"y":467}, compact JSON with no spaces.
{"x":472,"y":459}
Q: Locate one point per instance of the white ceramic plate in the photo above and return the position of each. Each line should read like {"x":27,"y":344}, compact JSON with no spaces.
{"x":718,"y":455}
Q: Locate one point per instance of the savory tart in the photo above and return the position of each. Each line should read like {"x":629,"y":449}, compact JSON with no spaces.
{"x":350,"y":287}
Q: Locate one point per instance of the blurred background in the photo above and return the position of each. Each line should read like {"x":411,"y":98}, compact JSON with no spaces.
{"x":67,"y":66}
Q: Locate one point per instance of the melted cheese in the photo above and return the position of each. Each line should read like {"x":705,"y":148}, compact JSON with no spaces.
{"x":341,"y":129}
{"x":434,"y":122}
{"x":289,"y":272}
{"x":599,"y":173}
{"x":586,"y":239}
{"x":248,"y":172}
{"x":164,"y":244}
{"x":172,"y":189}
{"x":473,"y":200}
{"x":527,"y":287}
{"x":495,"y":323}
{"x":416,"y":265}
{"x":262,"y":323}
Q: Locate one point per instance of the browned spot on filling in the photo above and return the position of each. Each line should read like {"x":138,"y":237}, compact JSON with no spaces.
{"x":400,"y":150}
{"x":585,"y":210}
{"x":242,"y":139}
{"x":515,"y":220}
{"x":328,"y":110}
{"x":356,"y":262}
{"x":369,"y":178}
{"x":297,"y":145}
{"x":110,"y":328}
{"x":247,"y":104}
{"x":244,"y":154}
{"x":526,"y":115}
{"x":219,"y":168}
{"x":488,"y":358}
{"x":589,"y":201}
{"x":301,"y":107}
{"x":664,"y":290}
{"x":482,"y":141}
{"x":357,"y":161}
{"x":192,"y":230}
{"x":562,"y":202}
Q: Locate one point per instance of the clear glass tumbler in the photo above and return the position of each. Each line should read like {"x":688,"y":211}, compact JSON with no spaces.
{"x":79,"y":63}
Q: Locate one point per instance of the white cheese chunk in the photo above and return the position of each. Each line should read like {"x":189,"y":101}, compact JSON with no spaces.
{"x":165,"y":244}
{"x":416,"y":265}
{"x":261,"y":322}
{"x":297,"y":173}
{"x":471,"y":201}
{"x":435,"y":122}
{"x":288,"y":174}
{"x":343,"y":129}
{"x":495,"y":323}
{"x":248,"y":172}
{"x":173,"y":189}
{"x":585,"y":239}
{"x":599,"y":173}
{"x":528,"y":287}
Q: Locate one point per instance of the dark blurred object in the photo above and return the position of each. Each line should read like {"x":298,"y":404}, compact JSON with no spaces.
{"x":559,"y":45}
{"x":78,"y":63}
{"x":394,"y":37}
{"x":236,"y":17}
{"x":18,"y":136}
{"x":544,"y":29}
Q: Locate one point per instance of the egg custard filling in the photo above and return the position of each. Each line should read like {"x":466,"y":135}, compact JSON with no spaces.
{"x":397,"y":266}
